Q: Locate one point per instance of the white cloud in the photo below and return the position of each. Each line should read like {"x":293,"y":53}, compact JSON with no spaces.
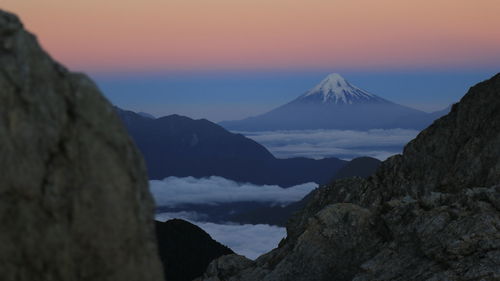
{"x":185,"y":215}
{"x":346,"y":144}
{"x":247,"y":240}
{"x":173,"y":191}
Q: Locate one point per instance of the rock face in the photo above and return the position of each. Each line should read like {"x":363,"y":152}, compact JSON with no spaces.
{"x":185,"y":249}
{"x":74,"y":203}
{"x":432,"y":213}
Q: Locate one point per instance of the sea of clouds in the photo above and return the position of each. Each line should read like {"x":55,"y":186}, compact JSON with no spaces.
{"x":345,"y":144}
{"x":248,"y":240}
{"x":174,"y":191}
{"x":254,"y":240}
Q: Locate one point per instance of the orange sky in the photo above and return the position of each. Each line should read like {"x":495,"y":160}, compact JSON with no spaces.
{"x":136,"y":35}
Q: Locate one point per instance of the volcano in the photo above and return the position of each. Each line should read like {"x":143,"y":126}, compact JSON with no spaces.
{"x":335,"y":103}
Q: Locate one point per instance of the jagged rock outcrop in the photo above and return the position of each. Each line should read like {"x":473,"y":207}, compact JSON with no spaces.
{"x":432,"y":213}
{"x":74,"y":202}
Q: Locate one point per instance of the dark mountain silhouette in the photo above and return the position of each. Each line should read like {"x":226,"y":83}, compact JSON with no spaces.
{"x":278,"y":215}
{"x":440,"y":113}
{"x":358,"y":167}
{"x":145,"y":114}
{"x":179,"y":146}
{"x":335,"y":104}
{"x":185,"y":249}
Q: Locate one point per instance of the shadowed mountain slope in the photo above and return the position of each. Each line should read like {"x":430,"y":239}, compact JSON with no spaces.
{"x":185,"y":249}
{"x":180,"y":146}
{"x":358,"y":167}
{"x":278,"y":215}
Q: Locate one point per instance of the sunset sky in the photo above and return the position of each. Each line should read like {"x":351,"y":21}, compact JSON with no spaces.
{"x":188,"y":39}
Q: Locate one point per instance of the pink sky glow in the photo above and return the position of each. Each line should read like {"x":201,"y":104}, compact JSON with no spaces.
{"x":172,"y":35}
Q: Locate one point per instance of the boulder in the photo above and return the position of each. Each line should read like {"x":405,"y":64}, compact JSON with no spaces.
{"x":74,"y":199}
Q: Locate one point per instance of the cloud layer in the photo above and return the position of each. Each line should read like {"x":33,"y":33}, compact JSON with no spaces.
{"x":247,"y":240}
{"x":174,"y":191}
{"x":344,"y":144}
{"x":255,"y":240}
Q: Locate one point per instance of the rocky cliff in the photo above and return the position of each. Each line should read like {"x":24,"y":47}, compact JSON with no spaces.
{"x":432,"y":213}
{"x":74,"y":203}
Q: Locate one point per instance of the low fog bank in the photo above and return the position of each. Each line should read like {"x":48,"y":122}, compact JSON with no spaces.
{"x":174,"y":191}
{"x":344,"y":144}
{"x":248,"y":240}
{"x":188,"y":198}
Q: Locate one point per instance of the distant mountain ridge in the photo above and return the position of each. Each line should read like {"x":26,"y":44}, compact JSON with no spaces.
{"x":361,"y":167}
{"x":358,"y":167}
{"x":335,"y":104}
{"x":249,"y":212}
{"x":179,"y":146}
{"x":145,"y":114}
{"x":440,"y":113}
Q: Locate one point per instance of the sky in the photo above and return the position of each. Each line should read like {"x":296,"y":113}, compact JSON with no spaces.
{"x":230,"y":59}
{"x":226,"y":59}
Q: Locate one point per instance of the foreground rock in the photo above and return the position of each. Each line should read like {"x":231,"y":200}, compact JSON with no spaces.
{"x":74,"y":203}
{"x":432,"y":213}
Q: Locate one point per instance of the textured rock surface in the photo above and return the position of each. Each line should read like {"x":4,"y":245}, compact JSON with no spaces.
{"x":432,"y":213}
{"x":74,"y":203}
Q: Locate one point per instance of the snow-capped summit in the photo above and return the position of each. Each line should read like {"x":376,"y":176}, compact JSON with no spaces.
{"x":335,"y":89}
{"x":335,"y":104}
